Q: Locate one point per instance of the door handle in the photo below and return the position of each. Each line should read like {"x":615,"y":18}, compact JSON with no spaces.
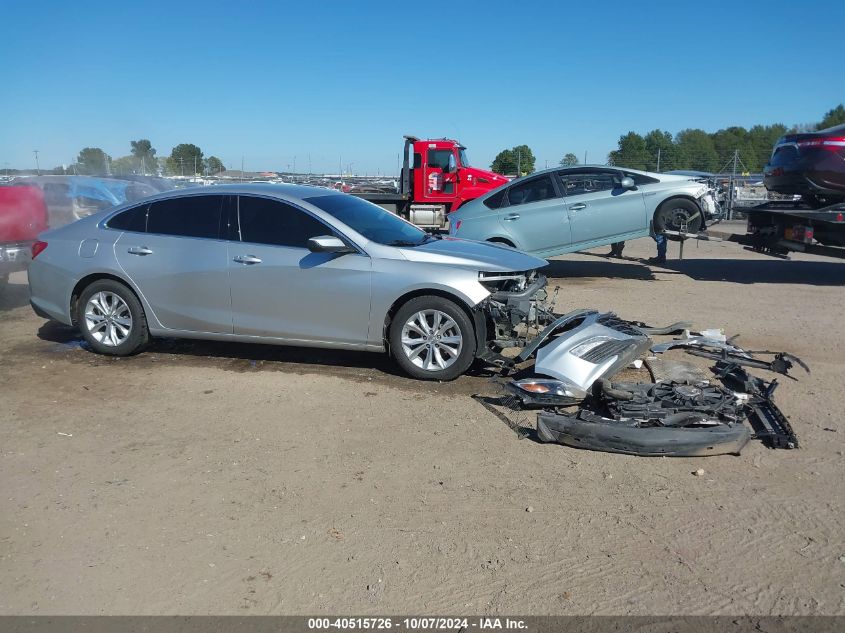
{"x":139,"y":250}
{"x":512,"y":216}
{"x":577,"y":207}
{"x":247,"y":259}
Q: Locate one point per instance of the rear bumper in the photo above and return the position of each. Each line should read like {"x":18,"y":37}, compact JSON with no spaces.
{"x":818,"y":174}
{"x":14,"y":257}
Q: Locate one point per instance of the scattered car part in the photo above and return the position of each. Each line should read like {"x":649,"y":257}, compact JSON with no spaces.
{"x":593,"y":346}
{"x":780,"y":364}
{"x":697,"y":341}
{"x":666,"y":403}
{"x":663,"y":369}
{"x":769,"y":423}
{"x":674,"y":328}
{"x":542,"y":392}
{"x":585,"y":430}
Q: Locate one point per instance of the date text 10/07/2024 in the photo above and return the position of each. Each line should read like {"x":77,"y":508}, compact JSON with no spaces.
{"x":416,"y":623}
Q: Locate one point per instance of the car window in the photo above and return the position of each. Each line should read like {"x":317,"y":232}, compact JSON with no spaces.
{"x":189,"y":216}
{"x":439,"y":158}
{"x":265,"y":221}
{"x":134,"y":219}
{"x":576,"y":184}
{"x":640,"y":179}
{"x":532,"y":190}
{"x":370,"y":220}
{"x":495,"y":201}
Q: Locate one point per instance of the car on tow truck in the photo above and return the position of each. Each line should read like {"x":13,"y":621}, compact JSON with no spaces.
{"x":287,"y":265}
{"x":811,"y":165}
{"x":563,"y":210}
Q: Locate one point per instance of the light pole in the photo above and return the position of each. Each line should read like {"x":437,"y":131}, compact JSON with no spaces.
{"x":37,"y":166}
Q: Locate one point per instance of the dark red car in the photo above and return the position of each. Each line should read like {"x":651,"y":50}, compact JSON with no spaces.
{"x":811,"y":165}
{"x":23,"y":215}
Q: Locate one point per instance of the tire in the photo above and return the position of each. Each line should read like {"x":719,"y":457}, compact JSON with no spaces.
{"x":111,"y":319}
{"x":4,"y":281}
{"x":443,"y":358}
{"x":672,"y":213}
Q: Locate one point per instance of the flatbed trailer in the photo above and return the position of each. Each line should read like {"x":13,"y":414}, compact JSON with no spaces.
{"x":780,"y":227}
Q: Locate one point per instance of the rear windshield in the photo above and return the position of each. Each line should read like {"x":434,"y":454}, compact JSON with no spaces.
{"x":370,"y":220}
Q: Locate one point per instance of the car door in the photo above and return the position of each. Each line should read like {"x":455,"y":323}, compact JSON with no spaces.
{"x":535,"y":215}
{"x":280,"y":289}
{"x":180,"y":263}
{"x":598,"y":207}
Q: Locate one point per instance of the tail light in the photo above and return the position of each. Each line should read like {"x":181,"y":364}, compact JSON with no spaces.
{"x":38,"y":248}
{"x":826,"y":142}
{"x":458,"y":224}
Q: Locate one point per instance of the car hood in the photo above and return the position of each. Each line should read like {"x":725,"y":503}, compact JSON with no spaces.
{"x":480,"y":256}
{"x":673,"y":178}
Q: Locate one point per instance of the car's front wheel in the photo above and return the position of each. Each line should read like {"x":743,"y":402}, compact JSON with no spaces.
{"x":432,"y":338}
{"x":673,"y":214}
{"x":111,"y":318}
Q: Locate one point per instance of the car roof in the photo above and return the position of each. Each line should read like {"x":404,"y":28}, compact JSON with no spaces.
{"x":284,"y":191}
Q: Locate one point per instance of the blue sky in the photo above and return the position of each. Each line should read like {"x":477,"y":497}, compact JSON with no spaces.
{"x":344,"y":81}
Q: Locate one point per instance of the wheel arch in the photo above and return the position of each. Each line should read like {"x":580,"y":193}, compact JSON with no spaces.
{"x":87,"y":280}
{"x":502,"y":240}
{"x":676,"y":196}
{"x":472,"y":314}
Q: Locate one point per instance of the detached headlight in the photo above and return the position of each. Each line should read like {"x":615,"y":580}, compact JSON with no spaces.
{"x":542,"y":392}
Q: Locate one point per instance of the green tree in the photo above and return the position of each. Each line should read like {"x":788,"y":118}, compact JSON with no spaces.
{"x":660,"y":150}
{"x":92,"y":161}
{"x":185,"y":159}
{"x":836,"y":116}
{"x":524,"y":159}
{"x":124,"y":165}
{"x":695,"y":150}
{"x":144,"y":154}
{"x":569,"y":160}
{"x":215,"y":165}
{"x":518,"y":160}
{"x":631,"y":152}
{"x":504,"y":163}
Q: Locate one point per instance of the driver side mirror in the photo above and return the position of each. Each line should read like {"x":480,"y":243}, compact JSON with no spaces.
{"x":627,"y":183}
{"x":328,"y":244}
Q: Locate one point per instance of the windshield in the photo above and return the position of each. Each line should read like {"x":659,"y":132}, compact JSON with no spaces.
{"x":464,"y":159}
{"x":369,"y":220}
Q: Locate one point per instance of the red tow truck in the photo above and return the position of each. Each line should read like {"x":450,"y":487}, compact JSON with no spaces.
{"x":436,"y":179}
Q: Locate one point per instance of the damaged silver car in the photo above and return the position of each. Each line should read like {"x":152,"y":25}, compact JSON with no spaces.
{"x":285,"y":264}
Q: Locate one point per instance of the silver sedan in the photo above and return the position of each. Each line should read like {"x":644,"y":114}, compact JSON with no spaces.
{"x":564,"y":210}
{"x":280,"y":264}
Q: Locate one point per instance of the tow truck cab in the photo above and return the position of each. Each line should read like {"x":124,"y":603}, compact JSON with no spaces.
{"x":441,"y":173}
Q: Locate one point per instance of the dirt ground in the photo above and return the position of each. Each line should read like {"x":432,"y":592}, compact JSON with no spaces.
{"x":217,"y":478}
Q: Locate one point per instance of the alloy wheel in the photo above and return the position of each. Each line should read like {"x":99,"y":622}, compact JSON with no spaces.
{"x":108,"y":318}
{"x":432,"y":340}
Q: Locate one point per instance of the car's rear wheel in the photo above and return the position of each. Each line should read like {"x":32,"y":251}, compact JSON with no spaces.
{"x":432,"y":338}
{"x":673,"y":214}
{"x":111,"y":318}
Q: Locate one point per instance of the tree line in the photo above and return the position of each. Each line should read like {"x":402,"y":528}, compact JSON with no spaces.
{"x":695,"y":149}
{"x":186,"y":159}
{"x":690,"y":149}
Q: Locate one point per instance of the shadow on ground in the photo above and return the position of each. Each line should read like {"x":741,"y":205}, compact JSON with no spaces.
{"x":246,"y":357}
{"x":751,"y":271}
{"x":601,"y":267}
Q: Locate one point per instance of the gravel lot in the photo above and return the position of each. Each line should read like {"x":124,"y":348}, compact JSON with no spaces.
{"x":233,"y":479}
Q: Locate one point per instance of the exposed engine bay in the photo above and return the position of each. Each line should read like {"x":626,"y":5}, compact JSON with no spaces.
{"x":575,"y":356}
